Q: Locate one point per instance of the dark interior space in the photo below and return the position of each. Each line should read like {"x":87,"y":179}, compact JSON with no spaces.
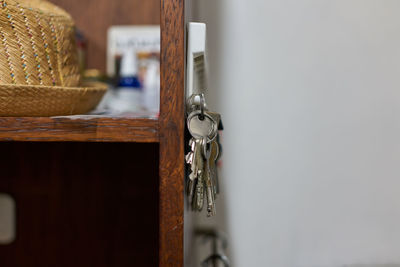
{"x":81,"y":204}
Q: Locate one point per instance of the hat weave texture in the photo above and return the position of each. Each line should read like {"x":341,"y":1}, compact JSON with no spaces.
{"x":39,"y":68}
{"x":38,"y":40}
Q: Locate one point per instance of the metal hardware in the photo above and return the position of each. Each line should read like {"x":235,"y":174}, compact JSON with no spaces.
{"x":216,"y":256}
{"x":214,"y":259}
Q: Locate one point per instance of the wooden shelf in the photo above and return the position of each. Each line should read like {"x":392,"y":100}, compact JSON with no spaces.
{"x":73,"y":194}
{"x":79,"y":129}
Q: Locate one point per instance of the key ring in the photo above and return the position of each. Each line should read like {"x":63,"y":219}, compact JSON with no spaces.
{"x":202,"y":106}
{"x":193,"y":103}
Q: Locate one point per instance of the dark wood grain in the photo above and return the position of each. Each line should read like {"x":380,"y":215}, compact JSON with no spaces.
{"x":81,"y":204}
{"x":94,"y":17}
{"x":171,"y":132}
{"x":83,"y":129}
{"x":191,"y":259}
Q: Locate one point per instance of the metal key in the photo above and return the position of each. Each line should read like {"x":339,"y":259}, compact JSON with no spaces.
{"x":198,"y":198}
{"x":196,"y":165}
{"x":208,"y":179}
{"x":202,"y":125}
{"x":214,"y":147}
{"x":192,"y":175}
{"x":189,"y":156}
{"x":202,"y":175}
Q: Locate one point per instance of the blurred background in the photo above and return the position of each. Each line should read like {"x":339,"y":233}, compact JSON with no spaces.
{"x":309,"y":92}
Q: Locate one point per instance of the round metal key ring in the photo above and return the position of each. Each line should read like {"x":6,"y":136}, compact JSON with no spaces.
{"x":209,"y":149}
{"x":206,"y":127}
{"x":202,"y":106}
{"x":195,"y":102}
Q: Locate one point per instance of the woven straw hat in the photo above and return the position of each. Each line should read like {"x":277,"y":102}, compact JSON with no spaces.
{"x":39,"y":70}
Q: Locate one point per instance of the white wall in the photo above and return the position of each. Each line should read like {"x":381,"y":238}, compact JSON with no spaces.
{"x":310,"y":96}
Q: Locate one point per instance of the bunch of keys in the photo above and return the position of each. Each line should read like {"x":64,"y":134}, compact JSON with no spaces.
{"x":204,"y":152}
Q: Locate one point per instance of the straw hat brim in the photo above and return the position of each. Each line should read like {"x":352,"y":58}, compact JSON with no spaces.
{"x":37,"y":100}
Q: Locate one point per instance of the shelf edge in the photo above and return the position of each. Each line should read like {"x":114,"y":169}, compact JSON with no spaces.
{"x":69,"y":129}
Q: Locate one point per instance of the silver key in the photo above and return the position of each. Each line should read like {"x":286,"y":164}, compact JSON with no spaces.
{"x":198,"y":198}
{"x":215,"y":153}
{"x":208,"y":179}
{"x":198,"y":201}
{"x":189,"y":156}
{"x":192,"y":176}
{"x":196,"y":165}
{"x":214,"y":147}
{"x":202,"y":127}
